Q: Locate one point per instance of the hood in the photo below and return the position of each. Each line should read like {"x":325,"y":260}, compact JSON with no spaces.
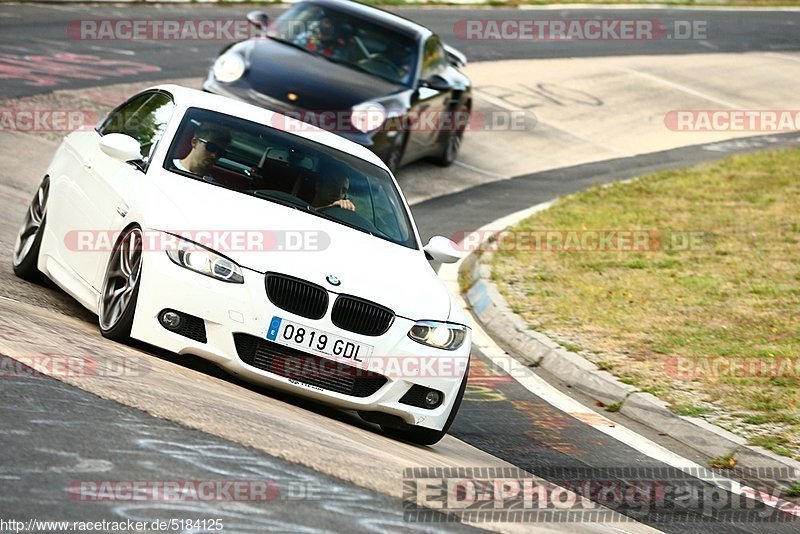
{"x":277,"y":69}
{"x":264,"y":236}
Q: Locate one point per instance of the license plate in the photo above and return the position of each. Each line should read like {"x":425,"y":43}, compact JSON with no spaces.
{"x":319,"y":342}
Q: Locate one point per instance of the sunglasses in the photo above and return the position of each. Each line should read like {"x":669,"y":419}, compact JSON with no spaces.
{"x":219,"y":150}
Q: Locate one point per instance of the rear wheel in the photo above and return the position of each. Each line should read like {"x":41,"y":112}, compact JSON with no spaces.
{"x":121,"y":287}
{"x":428,"y":436}
{"x":29,"y":239}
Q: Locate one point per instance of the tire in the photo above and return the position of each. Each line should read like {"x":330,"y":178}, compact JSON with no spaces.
{"x":428,"y":436}
{"x":395,"y":156}
{"x":452,"y":142}
{"x":117,"y":306}
{"x":29,"y":239}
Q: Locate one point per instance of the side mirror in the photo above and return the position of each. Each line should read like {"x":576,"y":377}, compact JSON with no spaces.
{"x":436,"y":82}
{"x":455,"y":57}
{"x":442,"y":250}
{"x":120,"y":146}
{"x":259,"y":19}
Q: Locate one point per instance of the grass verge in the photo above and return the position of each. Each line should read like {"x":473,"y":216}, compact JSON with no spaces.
{"x":703,"y":310}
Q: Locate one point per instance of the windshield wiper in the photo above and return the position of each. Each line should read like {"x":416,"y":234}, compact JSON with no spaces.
{"x":356,"y":66}
{"x":334,"y":219}
{"x":293,"y":45}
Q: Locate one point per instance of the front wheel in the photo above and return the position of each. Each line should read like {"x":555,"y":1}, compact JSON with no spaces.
{"x":29,"y":239}
{"x":396,"y":152}
{"x":428,"y":436}
{"x":451,"y":142}
{"x":120,"y":291}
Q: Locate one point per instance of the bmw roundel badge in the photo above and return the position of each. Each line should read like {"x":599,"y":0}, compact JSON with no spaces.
{"x":332,"y":280}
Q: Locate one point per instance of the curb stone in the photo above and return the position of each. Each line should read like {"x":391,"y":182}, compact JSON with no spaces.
{"x":535,"y":349}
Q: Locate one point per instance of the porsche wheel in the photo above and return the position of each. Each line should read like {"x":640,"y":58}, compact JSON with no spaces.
{"x":29,"y":239}
{"x":451,"y":141}
{"x":117,"y":304}
{"x":395,"y":156}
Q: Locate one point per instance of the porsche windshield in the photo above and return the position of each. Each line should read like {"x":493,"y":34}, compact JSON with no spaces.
{"x":279,"y":167}
{"x":354,"y":42}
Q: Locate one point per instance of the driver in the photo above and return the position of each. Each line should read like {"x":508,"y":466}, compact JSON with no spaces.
{"x":328,"y":41}
{"x":332,"y":190}
{"x":208,"y":145}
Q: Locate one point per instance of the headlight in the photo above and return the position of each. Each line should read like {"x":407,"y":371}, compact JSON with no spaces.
{"x":204,"y":261}
{"x":367,"y":117}
{"x":229,"y":67}
{"x":447,"y":336}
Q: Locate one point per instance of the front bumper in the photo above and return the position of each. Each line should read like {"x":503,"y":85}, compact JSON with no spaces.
{"x":244,"y":309}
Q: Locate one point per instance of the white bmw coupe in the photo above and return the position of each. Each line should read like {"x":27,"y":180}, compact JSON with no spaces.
{"x":282,"y":253}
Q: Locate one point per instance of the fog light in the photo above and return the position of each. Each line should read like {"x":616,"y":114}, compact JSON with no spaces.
{"x":432,"y":399}
{"x":170,"y":320}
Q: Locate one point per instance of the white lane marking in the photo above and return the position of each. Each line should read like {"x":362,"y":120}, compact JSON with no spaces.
{"x":508,"y":107}
{"x":683,"y":88}
{"x":782,"y":56}
{"x":113,"y":50}
{"x":49,"y":42}
{"x":482,"y":171}
{"x":539,"y":387}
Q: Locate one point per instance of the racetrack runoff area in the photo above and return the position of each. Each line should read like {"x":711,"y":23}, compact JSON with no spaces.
{"x":582,"y":110}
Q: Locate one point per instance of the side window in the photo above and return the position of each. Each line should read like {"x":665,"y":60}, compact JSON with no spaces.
{"x":144,"y":118}
{"x":434,"y":60}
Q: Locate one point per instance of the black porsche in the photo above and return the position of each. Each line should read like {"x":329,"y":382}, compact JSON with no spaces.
{"x":373,"y":77}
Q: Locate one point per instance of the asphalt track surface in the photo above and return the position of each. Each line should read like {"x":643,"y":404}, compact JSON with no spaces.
{"x":42,"y":30}
{"x":50,"y":430}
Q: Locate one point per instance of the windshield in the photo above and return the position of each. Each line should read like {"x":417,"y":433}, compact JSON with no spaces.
{"x":351,"y":41}
{"x":282,"y":168}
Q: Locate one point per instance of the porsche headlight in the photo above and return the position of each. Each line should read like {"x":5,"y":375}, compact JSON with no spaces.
{"x":204,"y":261}
{"x":367,"y":117}
{"x":229,"y":67}
{"x":447,"y":336}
